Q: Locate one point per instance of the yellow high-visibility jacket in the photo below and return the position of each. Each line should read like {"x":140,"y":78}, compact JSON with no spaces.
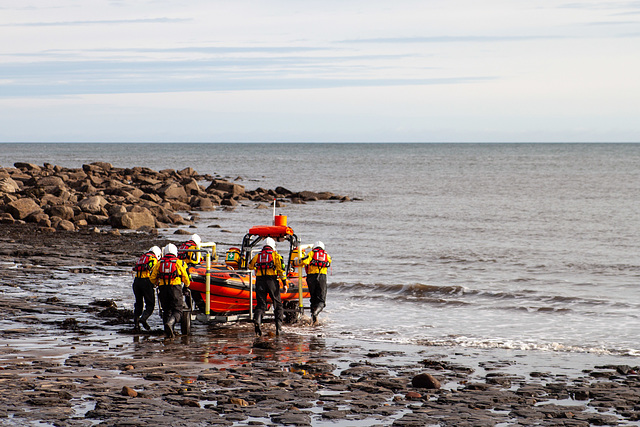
{"x":314,"y":269}
{"x":277,"y":261}
{"x":181,"y":277}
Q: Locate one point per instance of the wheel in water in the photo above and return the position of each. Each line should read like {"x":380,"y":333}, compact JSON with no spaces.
{"x":185,"y":324}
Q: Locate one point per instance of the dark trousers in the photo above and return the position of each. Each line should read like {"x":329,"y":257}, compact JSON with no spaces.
{"x":317,"y":284}
{"x":171,"y":301}
{"x":145,"y":297}
{"x":268,"y":285}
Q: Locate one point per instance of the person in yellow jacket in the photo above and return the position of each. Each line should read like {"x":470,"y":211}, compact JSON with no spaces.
{"x":268,"y":265}
{"x":143,"y":288}
{"x":184,"y":250}
{"x":170,"y":274}
{"x":317,"y":262}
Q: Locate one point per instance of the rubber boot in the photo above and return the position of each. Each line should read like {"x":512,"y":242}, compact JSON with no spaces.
{"x":278,"y":327}
{"x":136,"y":324}
{"x":257,"y":321}
{"x":168,"y":327}
{"x":314,"y":315}
{"x":143,"y":322}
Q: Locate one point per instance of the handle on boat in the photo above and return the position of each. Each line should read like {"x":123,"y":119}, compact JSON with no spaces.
{"x":300,"y":302}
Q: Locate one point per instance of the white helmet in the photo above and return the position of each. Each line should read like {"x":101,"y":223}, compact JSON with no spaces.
{"x":270,"y":242}
{"x":170,"y":249}
{"x":156,"y":251}
{"x":196,"y":239}
{"x":318,"y":244}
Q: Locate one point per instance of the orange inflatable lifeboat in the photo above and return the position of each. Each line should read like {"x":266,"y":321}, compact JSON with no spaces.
{"x":231,"y":293}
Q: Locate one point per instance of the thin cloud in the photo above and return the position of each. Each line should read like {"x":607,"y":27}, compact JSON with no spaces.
{"x":605,"y":23}
{"x":452,"y":39}
{"x":213,"y":85}
{"x":103,"y":22}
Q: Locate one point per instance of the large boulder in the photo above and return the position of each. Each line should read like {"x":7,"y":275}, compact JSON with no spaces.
{"x":202,"y":203}
{"x":187,"y":172}
{"x":226,"y":186}
{"x":173,"y":191}
{"x":92,"y":204}
{"x":192,"y":188}
{"x":51,"y":181}
{"x":425,"y":380}
{"x":50,"y":199}
{"x":64,"y":212}
{"x":8,"y":185}
{"x":133,"y":220}
{"x":27,"y":166}
{"x":97,"y":167}
{"x":22,"y":208}
{"x":65,"y":225}
{"x":308,"y":196}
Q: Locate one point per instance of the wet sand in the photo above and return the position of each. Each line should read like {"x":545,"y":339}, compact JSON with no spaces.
{"x":81,"y":365}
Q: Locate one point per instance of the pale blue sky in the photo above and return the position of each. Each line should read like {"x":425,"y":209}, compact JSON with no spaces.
{"x":314,"y":71}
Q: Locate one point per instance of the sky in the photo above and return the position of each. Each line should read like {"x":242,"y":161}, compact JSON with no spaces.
{"x":319,"y":71}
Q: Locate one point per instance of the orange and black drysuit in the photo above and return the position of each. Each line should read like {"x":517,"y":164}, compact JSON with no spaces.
{"x":143,"y":289}
{"x":317,"y":262}
{"x":268,"y":265}
{"x":169,"y":274}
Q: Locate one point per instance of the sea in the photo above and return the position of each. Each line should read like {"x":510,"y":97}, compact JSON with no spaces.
{"x":528,"y":251}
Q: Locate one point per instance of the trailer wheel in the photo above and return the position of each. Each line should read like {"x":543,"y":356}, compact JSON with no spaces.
{"x":292,"y":312}
{"x":185,"y":325}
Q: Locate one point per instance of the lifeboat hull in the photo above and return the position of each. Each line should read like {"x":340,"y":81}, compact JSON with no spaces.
{"x":230,"y":290}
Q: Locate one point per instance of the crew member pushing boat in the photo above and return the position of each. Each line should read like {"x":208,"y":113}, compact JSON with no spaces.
{"x":317,"y":263}
{"x":169,"y":274}
{"x":143,"y":288}
{"x":268,"y":265}
{"x":187,"y":252}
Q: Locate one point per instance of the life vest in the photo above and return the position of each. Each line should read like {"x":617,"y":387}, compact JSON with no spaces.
{"x":233,"y":257}
{"x":265,"y":260}
{"x":182,"y":250}
{"x":168,"y":268}
{"x":145,"y":262}
{"x":319,"y":259}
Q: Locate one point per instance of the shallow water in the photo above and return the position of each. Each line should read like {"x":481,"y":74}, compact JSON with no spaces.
{"x":528,"y":248}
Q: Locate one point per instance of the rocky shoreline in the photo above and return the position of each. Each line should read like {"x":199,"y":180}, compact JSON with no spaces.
{"x":79,"y":364}
{"x":98,"y":194}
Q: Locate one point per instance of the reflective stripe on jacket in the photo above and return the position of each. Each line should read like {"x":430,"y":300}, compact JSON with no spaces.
{"x":182,"y":276}
{"x":277,"y":260}
{"x":144,"y":274}
{"x":189,"y":257}
{"x":313,"y":269}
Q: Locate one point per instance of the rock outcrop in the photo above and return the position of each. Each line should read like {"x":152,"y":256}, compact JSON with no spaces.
{"x":99,"y":194}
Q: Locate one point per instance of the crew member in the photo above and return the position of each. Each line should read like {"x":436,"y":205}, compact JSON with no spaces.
{"x":187,"y":253}
{"x":317,"y":263}
{"x":268,"y":265}
{"x":169,"y":274}
{"x":143,"y":288}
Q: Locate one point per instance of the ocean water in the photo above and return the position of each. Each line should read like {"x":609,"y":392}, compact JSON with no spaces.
{"x":530,"y":248}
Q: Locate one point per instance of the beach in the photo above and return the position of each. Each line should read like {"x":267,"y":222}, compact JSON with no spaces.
{"x":80,"y":364}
